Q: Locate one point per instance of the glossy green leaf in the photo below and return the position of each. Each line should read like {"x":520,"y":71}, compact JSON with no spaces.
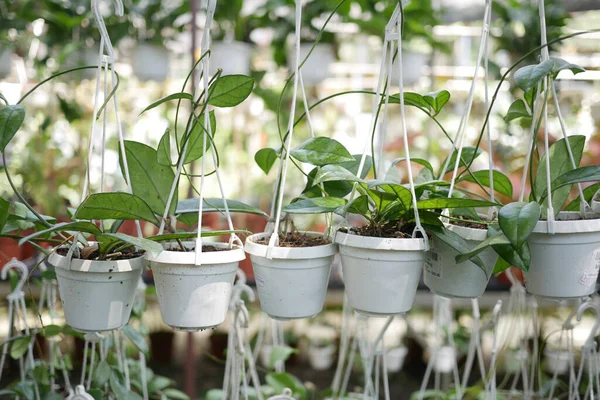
{"x":137,"y":339}
{"x":192,"y":235}
{"x":163,"y":152}
{"x":413,"y":100}
{"x":115,"y":205}
{"x":77,"y":226}
{"x":560,"y":163}
{"x":502,"y":183}
{"x":149,"y":180}
{"x":316,"y":205}
{"x":352,"y":166}
{"x":517,"y":110}
{"x":322,"y":151}
{"x":359,"y":205}
{"x":196,"y":139}
{"x":328,"y":173}
{"x":443,"y":203}
{"x":517,"y":221}
{"x":456,"y":242}
{"x":11,"y":119}
{"x":400,"y":193}
{"x":280,"y":353}
{"x":171,"y":97}
{"x":437,"y":100}
{"x":588,"y":194}
{"x":102,"y":373}
{"x":19,"y":347}
{"x":579,"y":175}
{"x":265,"y":158}
{"x":468,"y":154}
{"x":51,"y":330}
{"x":145,"y":244}
{"x":174,"y":394}
{"x":230,"y":90}
{"x":4,"y":212}
{"x":187,"y":210}
{"x":415,"y":160}
{"x":528,"y":77}
{"x":497,"y":239}
{"x":520,"y":258}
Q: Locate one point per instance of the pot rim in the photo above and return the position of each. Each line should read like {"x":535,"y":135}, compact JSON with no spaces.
{"x":235,"y":254}
{"x":467,"y":233}
{"x":375,"y":243}
{"x":568,"y":222}
{"x":96,"y":266}
{"x":289,"y":253}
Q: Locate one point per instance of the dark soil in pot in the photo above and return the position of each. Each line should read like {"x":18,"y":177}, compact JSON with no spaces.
{"x":392,"y":230}
{"x":205,"y":249}
{"x":297,"y":239}
{"x":469,"y":223}
{"x":92,"y":253}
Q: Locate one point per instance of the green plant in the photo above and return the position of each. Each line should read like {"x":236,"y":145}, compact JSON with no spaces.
{"x":155,"y":21}
{"x":12,"y":24}
{"x":232,"y":23}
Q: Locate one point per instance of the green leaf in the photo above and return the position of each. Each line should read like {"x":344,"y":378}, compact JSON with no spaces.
{"x":117,"y":385}
{"x":265,"y":158}
{"x":497,"y":239}
{"x":51,"y":330}
{"x":400,"y":193}
{"x":517,"y":221}
{"x":97,"y":394}
{"x":187,"y":210}
{"x":321,"y":151}
{"x":352,"y":166}
{"x":456,"y":242}
{"x":115,"y":205}
{"x":149,"y":180}
{"x":159,"y":383}
{"x":437,"y":100}
{"x":520,"y":258}
{"x":175,"y":394}
{"x":560,"y":163}
{"x":561,"y":65}
{"x":502,"y":183}
{"x":102,"y":373}
{"x":329,"y":173}
{"x":25,"y":389}
{"x":137,"y":339}
{"x":413,"y":100}
{"x":191,"y":235}
{"x":468,"y":154}
{"x":280,"y":381}
{"x":230,"y":90}
{"x":443,"y":203}
{"x":77,"y":226}
{"x":171,"y":97}
{"x":19,"y":347}
{"x":163,"y":152}
{"x":415,"y":160}
{"x":196,"y":139}
{"x":214,"y":394}
{"x":528,"y":77}
{"x":360,"y":206}
{"x":145,"y":244}
{"x":517,"y":110}
{"x":579,"y":175}
{"x":588,"y":194}
{"x":280,"y":353}
{"x":4,"y":212}
{"x":11,"y":119}
{"x":501,"y":265}
{"x":316,"y":205}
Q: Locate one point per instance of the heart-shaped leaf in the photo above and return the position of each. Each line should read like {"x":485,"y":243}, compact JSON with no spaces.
{"x":517,"y":221}
{"x":517,"y":110}
{"x":265,"y":158}
{"x":437,"y":100}
{"x":230,"y":90}
{"x":11,"y":119}
{"x":119,"y":205}
{"x":329,"y":173}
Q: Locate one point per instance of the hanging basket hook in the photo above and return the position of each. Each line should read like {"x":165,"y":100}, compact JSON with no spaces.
{"x":18,"y":265}
{"x":119,"y":11}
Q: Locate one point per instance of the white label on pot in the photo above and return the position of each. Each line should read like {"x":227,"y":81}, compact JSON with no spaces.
{"x":433,"y":265}
{"x":590,"y":276}
{"x":260,"y":281}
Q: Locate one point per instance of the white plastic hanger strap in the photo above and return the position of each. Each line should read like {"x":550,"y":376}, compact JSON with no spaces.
{"x":461,"y":133}
{"x":274,"y":240}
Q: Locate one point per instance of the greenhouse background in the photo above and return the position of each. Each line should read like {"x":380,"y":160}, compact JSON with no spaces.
{"x":511,"y":341}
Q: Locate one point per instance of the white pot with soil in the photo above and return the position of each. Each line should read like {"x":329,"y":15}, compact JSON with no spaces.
{"x":96,"y":296}
{"x":381,"y":274}
{"x":565,"y":264}
{"x":321,"y":357}
{"x":317,"y":67}
{"x":292,"y":283}
{"x":193,"y":297}
{"x":150,"y":62}
{"x":5,"y":62}
{"x":556,"y":361}
{"x":232,"y":57}
{"x":447,"y":278}
{"x":395,"y":358}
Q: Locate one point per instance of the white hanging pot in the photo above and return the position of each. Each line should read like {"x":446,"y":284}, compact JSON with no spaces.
{"x":447,"y":278}
{"x":381,"y":274}
{"x":150,"y":62}
{"x":413,"y":64}
{"x":316,"y":69}
{"x":564,"y":265}
{"x":82,"y":57}
{"x":193,"y":297}
{"x":293,"y":283}
{"x":445,"y":359}
{"x":232,"y":57}
{"x":321,"y":358}
{"x":97,"y":296}
{"x":5,"y":62}
{"x":395,"y":359}
{"x":557,"y":361}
